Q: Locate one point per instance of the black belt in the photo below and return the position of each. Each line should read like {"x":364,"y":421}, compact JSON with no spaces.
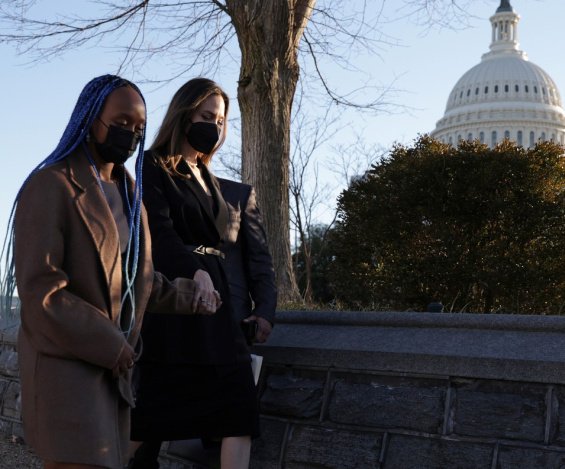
{"x":203,"y":250}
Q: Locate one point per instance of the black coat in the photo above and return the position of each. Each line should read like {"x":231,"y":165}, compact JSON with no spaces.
{"x":249,"y":266}
{"x":181,"y":217}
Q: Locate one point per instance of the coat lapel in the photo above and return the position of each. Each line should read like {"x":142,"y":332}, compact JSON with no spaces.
{"x":219,"y":222}
{"x":195,"y":187}
{"x":221,"y":219}
{"x":97,"y":217}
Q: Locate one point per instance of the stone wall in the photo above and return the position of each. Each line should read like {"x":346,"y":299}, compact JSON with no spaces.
{"x":395,"y":390}
{"x":413,"y":390}
{"x":10,"y":416}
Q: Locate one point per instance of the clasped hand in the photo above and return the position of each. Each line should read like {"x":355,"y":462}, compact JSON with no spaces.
{"x":125,"y":361}
{"x":206,"y":299}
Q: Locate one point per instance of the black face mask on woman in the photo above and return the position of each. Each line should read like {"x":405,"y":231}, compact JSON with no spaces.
{"x":119,"y":145}
{"x":203,"y":136}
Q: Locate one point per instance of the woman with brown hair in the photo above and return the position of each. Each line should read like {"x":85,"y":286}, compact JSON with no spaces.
{"x":195,"y":377}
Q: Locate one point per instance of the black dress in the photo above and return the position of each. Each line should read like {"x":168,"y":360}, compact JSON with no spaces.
{"x":194,"y":378}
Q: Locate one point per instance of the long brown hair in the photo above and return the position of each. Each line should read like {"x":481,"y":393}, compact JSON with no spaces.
{"x":172,"y":133}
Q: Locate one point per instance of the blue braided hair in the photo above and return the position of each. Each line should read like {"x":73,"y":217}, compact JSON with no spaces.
{"x":88,"y":107}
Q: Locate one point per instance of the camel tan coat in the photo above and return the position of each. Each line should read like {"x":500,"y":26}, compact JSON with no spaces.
{"x":69,"y":277}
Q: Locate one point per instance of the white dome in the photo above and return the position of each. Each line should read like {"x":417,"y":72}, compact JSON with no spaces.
{"x":504,"y":79}
{"x":505,"y":95}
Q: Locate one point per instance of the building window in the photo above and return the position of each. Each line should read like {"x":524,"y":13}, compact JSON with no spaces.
{"x":461,"y":95}
{"x":535,"y":89}
{"x":526,"y":88}
{"x":516,"y":88}
{"x":470,"y":137}
{"x":450,"y":140}
{"x":496,"y":88}
{"x":553,"y":137}
{"x":519,"y":138}
{"x":532,"y":139}
{"x":458,"y":138}
{"x":507,"y":134}
{"x":468,"y":92}
{"x":476,"y":90}
{"x":542,"y":137}
{"x":493,"y":138}
{"x":482,"y":137}
{"x":543,"y":91}
{"x":486,"y":89}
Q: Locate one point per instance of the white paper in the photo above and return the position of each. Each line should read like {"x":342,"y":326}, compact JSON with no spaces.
{"x":256,"y":362}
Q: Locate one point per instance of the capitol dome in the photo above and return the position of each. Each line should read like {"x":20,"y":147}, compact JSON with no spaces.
{"x":504,"y":96}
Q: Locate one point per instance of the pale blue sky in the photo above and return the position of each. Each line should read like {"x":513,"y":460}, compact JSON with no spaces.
{"x":37,"y":99}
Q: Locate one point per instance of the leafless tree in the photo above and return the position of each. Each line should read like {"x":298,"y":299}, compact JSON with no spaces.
{"x":199,"y":35}
{"x":307,"y":190}
{"x":353,"y":159}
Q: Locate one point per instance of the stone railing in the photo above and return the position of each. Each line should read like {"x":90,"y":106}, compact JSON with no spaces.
{"x":397,"y":390}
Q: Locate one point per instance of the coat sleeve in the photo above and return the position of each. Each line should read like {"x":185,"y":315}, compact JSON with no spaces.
{"x":167,"y":246}
{"x":258,"y":260}
{"x":57,"y":321}
{"x":171,"y":297}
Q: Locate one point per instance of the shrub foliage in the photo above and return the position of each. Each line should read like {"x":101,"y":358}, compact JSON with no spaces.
{"x":482,"y":230}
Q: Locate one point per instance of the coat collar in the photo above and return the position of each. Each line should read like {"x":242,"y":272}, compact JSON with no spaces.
{"x":82,"y":174}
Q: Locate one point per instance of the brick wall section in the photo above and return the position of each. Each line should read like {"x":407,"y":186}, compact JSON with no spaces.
{"x":394,"y":391}
{"x":370,"y":419}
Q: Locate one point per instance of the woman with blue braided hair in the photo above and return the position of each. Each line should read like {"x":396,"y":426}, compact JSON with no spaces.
{"x":83,"y":268}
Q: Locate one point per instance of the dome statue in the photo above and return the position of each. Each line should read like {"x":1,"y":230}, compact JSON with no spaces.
{"x":504,"y":96}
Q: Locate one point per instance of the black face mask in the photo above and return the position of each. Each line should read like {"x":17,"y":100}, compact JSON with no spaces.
{"x":119,"y":145}
{"x":203,"y":136}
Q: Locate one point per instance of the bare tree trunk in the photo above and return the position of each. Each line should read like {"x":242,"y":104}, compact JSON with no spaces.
{"x":307,"y":253}
{"x":305,"y":241}
{"x":269,"y":34}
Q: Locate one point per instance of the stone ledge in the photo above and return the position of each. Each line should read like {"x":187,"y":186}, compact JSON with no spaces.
{"x":520,"y":348}
{"x":510,"y":322}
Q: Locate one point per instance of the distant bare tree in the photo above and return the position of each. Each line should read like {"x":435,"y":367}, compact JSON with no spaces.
{"x":353,"y":159}
{"x":307,"y":191}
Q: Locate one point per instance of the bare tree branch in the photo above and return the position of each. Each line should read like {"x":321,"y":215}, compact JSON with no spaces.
{"x":450,"y":14}
{"x":353,"y":160}
{"x":196,"y":32}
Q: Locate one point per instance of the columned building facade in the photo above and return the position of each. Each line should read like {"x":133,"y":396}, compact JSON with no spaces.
{"x":504,"y":96}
